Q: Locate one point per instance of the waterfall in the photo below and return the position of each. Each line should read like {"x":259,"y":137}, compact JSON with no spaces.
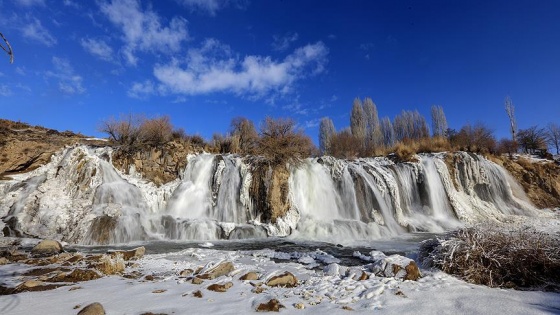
{"x":80,"y":197}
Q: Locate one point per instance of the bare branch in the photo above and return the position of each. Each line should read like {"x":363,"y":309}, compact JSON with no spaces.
{"x":8,"y":49}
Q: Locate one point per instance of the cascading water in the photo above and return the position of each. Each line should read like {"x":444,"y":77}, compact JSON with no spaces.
{"x":80,"y":197}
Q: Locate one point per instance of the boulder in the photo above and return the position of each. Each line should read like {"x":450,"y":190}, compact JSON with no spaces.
{"x":132,"y":254}
{"x":46,"y":248}
{"x":286,"y":279}
{"x":4,"y":261}
{"x":221,"y":269}
{"x":271,"y":306}
{"x":76,"y":275}
{"x":220,"y":287}
{"x":110,"y":265}
{"x":93,"y":309}
{"x":249,"y":276}
{"x":396,"y":266}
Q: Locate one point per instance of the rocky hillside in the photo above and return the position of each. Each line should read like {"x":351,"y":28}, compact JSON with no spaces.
{"x":24,"y":147}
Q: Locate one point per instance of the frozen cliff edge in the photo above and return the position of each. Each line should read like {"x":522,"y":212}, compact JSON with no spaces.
{"x":80,"y":197}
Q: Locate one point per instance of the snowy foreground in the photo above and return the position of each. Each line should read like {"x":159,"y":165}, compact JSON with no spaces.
{"x":324,"y":287}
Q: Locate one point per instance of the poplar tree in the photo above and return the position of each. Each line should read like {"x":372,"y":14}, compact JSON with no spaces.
{"x":374,"y":137}
{"x":358,"y":121}
{"x":326,"y":133}
{"x":439,"y":122}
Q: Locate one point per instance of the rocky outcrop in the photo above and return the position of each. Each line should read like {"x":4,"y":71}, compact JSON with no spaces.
{"x":159,"y":165}
{"x":540,"y":179}
{"x":270,"y":191}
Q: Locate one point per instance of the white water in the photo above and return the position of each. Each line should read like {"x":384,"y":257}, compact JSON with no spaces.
{"x":331,"y":200}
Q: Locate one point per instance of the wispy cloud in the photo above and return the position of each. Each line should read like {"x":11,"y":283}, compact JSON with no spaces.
{"x":69,"y":82}
{"x":141,"y":90}
{"x":282,"y":43}
{"x":143,"y":30}
{"x":5,"y":90}
{"x":70,"y":3}
{"x":29,"y":3}
{"x":98,"y":48}
{"x":35,"y":31}
{"x":213,"y":68}
{"x":212,"y":6}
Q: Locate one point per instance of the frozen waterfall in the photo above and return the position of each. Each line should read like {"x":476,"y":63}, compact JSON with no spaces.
{"x":80,"y":197}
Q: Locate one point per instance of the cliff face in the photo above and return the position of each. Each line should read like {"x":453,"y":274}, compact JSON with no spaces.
{"x":540,"y":179}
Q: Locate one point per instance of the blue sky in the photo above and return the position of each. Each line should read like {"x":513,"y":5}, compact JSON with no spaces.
{"x":205,"y":62}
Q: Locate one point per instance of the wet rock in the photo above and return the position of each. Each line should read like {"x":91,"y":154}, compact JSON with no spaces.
{"x":46,"y":248}
{"x":132,"y":254}
{"x":218,"y":271}
{"x":249,"y":276}
{"x":271,"y":306}
{"x":93,"y":309}
{"x":76,"y":275}
{"x":396,"y":266}
{"x":75,"y":258}
{"x":220,"y":287}
{"x":286,"y":279}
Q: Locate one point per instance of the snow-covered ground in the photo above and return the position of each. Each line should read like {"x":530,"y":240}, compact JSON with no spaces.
{"x":333,"y":289}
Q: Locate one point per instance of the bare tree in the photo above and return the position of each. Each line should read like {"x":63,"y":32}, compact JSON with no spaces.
{"x":281,"y":142}
{"x":387,"y":132}
{"x":510,"y":110}
{"x":532,"y":139}
{"x":326,"y":132}
{"x":439,"y":122}
{"x":358,"y":121}
{"x":410,"y":125}
{"x":374,"y":138}
{"x":7,"y":48}
{"x":553,"y":136}
{"x":244,"y":135}
{"x":345,"y":145}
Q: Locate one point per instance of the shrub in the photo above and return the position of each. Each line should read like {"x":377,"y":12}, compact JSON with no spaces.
{"x":497,"y":258}
{"x":124,"y":131}
{"x":280,"y":142}
{"x":156,"y":131}
{"x":405,"y":151}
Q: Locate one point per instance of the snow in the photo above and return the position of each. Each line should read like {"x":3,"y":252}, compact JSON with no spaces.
{"x":320,"y":291}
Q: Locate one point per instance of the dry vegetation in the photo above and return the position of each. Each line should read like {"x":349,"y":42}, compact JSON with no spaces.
{"x":526,"y":259}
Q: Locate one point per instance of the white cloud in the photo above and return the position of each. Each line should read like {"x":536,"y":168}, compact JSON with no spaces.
{"x":98,"y":48}
{"x":70,"y":3}
{"x":68,"y":81}
{"x":282,"y":43}
{"x":5,"y":90}
{"x":34,"y":30}
{"x":311,"y":123}
{"x":29,"y":3}
{"x":212,"y":68}
{"x":143,"y":30}
{"x":212,"y":6}
{"x":142,"y":90}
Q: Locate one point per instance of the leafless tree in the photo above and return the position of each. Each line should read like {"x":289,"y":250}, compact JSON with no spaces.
{"x":7,"y":48}
{"x":326,"y":132}
{"x":387,"y":132}
{"x":244,"y":135}
{"x":439,"y":122}
{"x":345,"y":145}
{"x":553,"y":136}
{"x":532,"y":139}
{"x":358,"y":121}
{"x":510,"y":110}
{"x":281,"y":142}
{"x":410,"y":125}
{"x":374,"y":138}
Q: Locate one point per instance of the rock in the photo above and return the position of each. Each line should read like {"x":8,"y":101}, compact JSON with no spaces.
{"x":76,"y":275}
{"x":299,"y":306}
{"x":364,"y":276}
{"x":46,"y":248}
{"x":149,"y":278}
{"x":31,"y":284}
{"x":110,"y":265}
{"x":220,"y":287}
{"x":347,"y":308}
{"x":4,"y":261}
{"x":249,"y":276}
{"x":197,"y":294}
{"x":271,"y":306}
{"x":218,"y":271}
{"x":186,"y":272}
{"x":93,"y":309}
{"x":286,"y":279}
{"x":396,"y":266}
{"x":132,"y":254}
{"x":197,"y":280}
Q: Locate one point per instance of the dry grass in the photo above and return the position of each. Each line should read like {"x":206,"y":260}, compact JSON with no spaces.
{"x":496,"y":258}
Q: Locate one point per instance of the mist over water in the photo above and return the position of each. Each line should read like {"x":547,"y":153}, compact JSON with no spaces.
{"x":81,"y":198}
